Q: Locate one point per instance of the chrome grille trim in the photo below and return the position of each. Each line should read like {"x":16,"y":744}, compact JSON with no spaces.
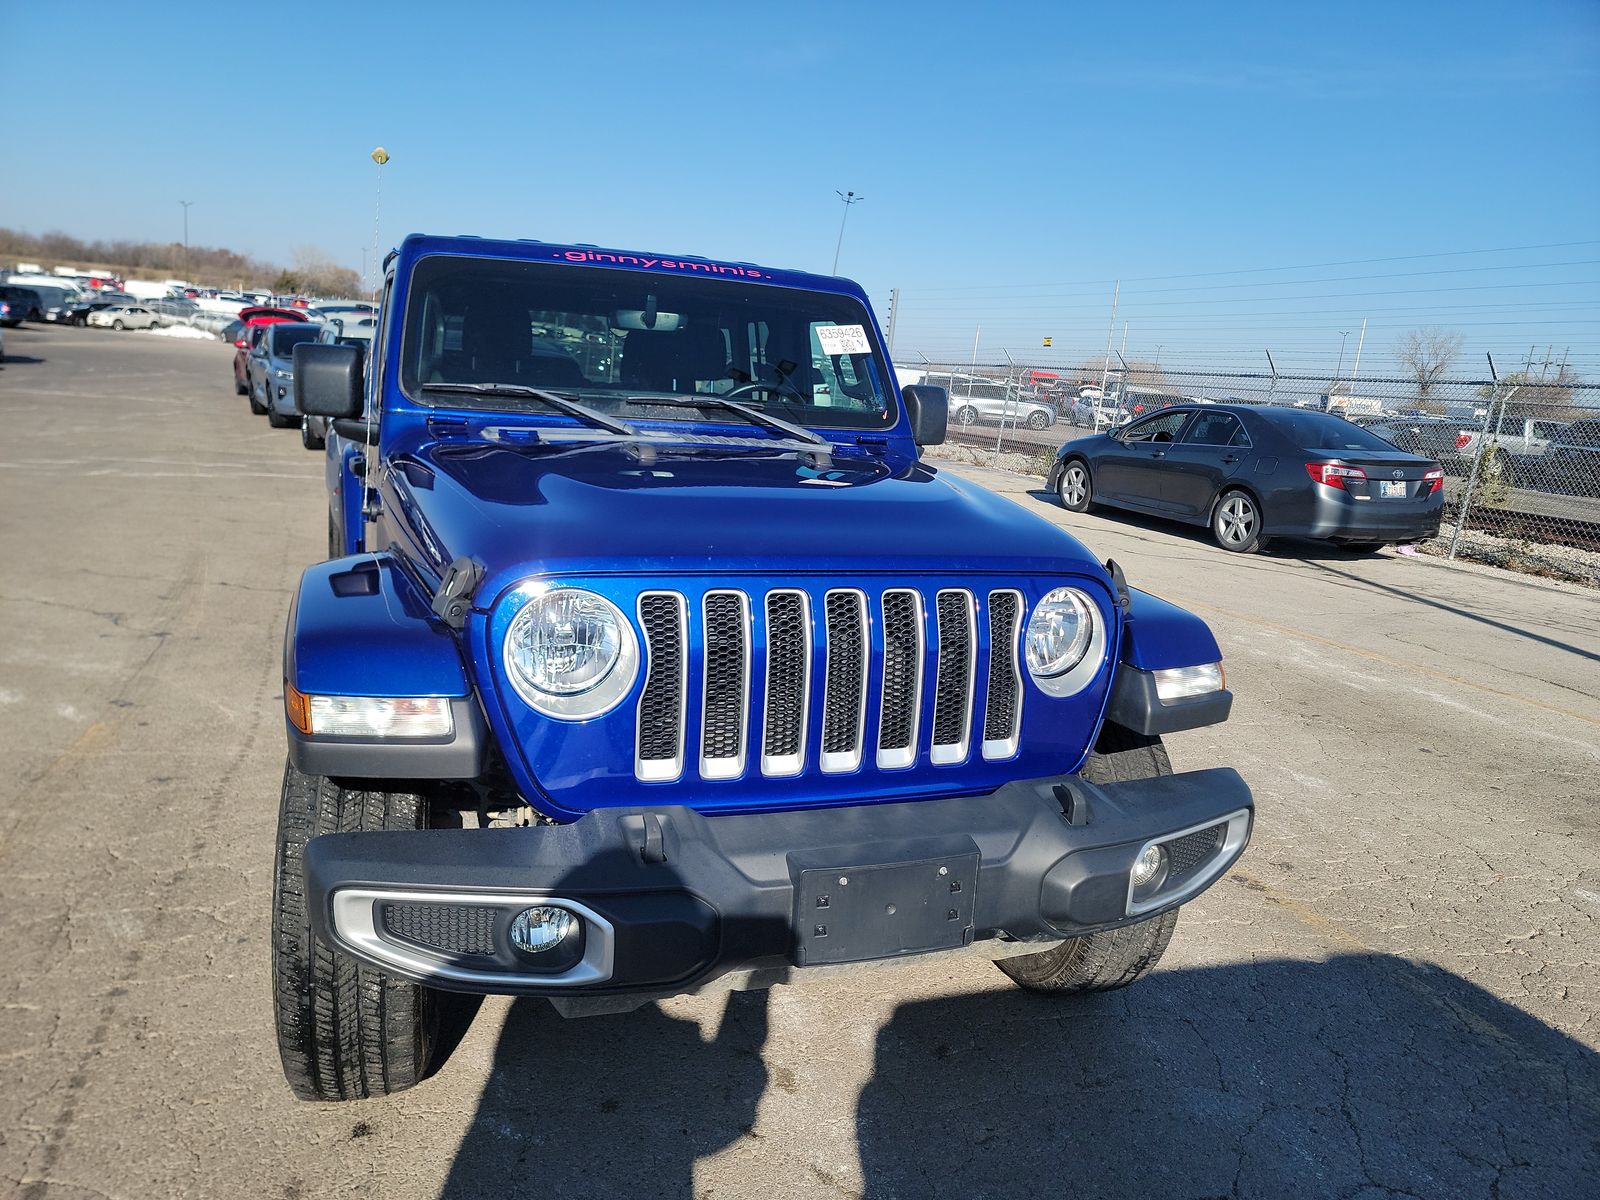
{"x":1002,"y":716}
{"x":724,"y":693}
{"x":663,"y":701}
{"x":787,"y":700}
{"x":955,"y":673}
{"x":844,"y":708}
{"x":900,"y":702}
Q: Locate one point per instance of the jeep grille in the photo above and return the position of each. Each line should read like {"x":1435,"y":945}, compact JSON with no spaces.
{"x":780,"y":632}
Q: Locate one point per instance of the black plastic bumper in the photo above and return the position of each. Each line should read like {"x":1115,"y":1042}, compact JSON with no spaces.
{"x":672,"y":899}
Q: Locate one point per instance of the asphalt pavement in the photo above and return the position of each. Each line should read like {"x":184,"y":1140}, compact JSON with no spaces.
{"x":1395,"y":993}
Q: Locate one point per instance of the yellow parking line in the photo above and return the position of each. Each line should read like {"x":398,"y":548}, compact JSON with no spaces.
{"x":1392,"y":662}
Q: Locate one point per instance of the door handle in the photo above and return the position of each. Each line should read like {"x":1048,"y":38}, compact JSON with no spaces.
{"x":1231,"y":459}
{"x":1158,"y":454}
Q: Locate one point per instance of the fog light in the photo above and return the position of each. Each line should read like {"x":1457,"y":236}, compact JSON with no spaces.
{"x":1147,"y":865}
{"x":1181,"y":683}
{"x":537,"y":930}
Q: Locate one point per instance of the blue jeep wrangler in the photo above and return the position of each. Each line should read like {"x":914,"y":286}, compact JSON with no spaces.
{"x":653,"y":658}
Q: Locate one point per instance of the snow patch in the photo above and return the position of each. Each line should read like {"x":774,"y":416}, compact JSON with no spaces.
{"x":183,"y":331}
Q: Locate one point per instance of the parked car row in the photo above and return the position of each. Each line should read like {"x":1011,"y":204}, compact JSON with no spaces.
{"x":263,"y":359}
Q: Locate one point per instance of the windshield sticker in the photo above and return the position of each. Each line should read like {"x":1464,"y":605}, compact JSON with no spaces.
{"x":670,"y":264}
{"x":843,"y":339}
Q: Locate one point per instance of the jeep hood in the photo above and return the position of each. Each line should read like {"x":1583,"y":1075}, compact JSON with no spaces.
{"x":611,"y":509}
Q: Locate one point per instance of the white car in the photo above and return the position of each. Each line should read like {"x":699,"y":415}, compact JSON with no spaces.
{"x":125,"y":316}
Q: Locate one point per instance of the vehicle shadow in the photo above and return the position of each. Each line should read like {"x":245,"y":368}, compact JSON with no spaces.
{"x":20,"y":360}
{"x":1365,"y":1075}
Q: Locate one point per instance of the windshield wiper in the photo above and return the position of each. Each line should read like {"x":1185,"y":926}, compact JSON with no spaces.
{"x":560,"y":403}
{"x":754,"y":415}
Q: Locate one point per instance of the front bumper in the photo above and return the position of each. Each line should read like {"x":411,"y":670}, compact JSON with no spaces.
{"x":671,"y":899}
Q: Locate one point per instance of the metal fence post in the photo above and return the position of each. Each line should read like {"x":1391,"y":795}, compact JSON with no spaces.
{"x":1464,"y":509}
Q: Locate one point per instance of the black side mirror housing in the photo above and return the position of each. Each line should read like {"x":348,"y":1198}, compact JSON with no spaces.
{"x":928,"y":407}
{"x":327,"y":380}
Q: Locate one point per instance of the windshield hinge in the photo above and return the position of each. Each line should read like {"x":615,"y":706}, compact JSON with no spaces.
{"x":1124,"y":601}
{"x":453,"y":600}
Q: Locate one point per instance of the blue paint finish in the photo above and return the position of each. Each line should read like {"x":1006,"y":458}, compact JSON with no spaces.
{"x":360,"y":627}
{"x":1160,"y":635}
{"x":577,"y":766}
{"x":456,"y":483}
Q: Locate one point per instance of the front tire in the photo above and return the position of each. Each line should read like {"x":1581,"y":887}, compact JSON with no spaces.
{"x":256,"y":407}
{"x":1236,"y":523}
{"x":118,"y":326}
{"x":1038,"y":420}
{"x":346,"y":1031}
{"x":1112,"y":958}
{"x":308,"y":439}
{"x":966,"y":415}
{"x":1075,"y":488}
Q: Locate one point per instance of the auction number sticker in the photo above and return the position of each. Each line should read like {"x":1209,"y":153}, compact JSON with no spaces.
{"x":843,"y":339}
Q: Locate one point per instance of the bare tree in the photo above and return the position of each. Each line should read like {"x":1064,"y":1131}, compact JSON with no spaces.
{"x":1427,"y":354}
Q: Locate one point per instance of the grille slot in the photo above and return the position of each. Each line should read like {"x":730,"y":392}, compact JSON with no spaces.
{"x":788,"y":683}
{"x":1192,"y":850}
{"x":659,"y":746}
{"x":902,"y":678}
{"x":447,"y":928}
{"x":952,"y":698}
{"x":844,"y":706}
{"x":1002,"y":717}
{"x":725,"y":703}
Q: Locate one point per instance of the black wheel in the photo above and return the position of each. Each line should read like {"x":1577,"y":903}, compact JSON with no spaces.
{"x":278,"y":422}
{"x":240,"y":389}
{"x":255,"y":405}
{"x":1038,"y":420}
{"x":966,"y":415}
{"x":308,"y":439}
{"x":118,"y":325}
{"x":1112,"y":958}
{"x":345,"y":1031}
{"x":1236,"y":523}
{"x":1075,"y":487}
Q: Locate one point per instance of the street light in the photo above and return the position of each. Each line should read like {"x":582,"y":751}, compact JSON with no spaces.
{"x":186,"y":204}
{"x":849,"y":198}
{"x":1343,"y":334}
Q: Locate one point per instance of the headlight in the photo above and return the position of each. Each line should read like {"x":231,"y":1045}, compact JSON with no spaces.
{"x":283,"y":374}
{"x":1064,"y":642}
{"x":571,"y":653}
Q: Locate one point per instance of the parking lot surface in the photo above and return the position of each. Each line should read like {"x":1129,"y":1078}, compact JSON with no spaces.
{"x":1396,"y":993}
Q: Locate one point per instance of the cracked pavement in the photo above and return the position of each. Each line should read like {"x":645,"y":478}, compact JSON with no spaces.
{"x":1394,"y":994}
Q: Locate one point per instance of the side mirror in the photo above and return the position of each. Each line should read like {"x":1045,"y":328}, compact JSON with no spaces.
{"x":327,"y":380}
{"x":929,"y":409}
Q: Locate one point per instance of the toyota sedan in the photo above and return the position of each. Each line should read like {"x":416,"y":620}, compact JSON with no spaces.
{"x":1252,"y":473}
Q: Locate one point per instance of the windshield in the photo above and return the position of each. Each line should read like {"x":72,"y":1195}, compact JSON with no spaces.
{"x":286,"y":337}
{"x":605,"y":337}
{"x":1317,"y":431}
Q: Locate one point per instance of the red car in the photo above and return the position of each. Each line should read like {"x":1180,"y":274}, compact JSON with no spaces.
{"x":255,"y":319}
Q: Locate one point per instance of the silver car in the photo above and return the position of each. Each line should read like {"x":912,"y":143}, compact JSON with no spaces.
{"x":124,"y":316}
{"x":976,"y":399}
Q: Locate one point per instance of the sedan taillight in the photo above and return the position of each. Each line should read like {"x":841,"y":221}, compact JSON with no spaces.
{"x":1432,"y":482}
{"x":1333,"y":474}
{"x":1463,"y":436}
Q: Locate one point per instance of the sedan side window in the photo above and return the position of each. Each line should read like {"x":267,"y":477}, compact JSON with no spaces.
{"x":1217,"y":429}
{"x":1163,"y":427}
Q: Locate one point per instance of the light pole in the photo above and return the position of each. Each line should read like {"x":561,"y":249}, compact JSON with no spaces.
{"x":849,"y":198}
{"x":1343,"y":334}
{"x":186,"y":204}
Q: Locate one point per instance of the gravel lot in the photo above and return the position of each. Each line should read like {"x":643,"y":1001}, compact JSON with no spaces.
{"x":1395,"y":994}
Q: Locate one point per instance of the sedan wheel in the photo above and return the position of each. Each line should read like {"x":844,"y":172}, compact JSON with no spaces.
{"x":966,"y":415}
{"x":1074,"y":488}
{"x":1038,"y":420}
{"x":117,"y":325}
{"x":1236,"y":524}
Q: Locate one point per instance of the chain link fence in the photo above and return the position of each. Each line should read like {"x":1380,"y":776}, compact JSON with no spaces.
{"x":1521,"y":455}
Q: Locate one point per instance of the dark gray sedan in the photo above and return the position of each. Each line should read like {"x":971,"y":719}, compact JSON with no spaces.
{"x":1256,"y":472}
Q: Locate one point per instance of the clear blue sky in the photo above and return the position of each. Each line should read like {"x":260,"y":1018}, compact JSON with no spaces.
{"x":1014,"y":159}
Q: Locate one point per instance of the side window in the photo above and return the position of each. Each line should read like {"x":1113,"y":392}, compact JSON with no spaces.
{"x":1163,"y":427}
{"x":1216,"y":429}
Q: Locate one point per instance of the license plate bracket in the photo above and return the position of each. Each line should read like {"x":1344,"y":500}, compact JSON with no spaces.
{"x":1391,"y":489}
{"x":884,"y":910}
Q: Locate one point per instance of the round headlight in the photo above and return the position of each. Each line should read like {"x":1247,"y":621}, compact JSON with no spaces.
{"x":1059,"y":633}
{"x":571,"y":653}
